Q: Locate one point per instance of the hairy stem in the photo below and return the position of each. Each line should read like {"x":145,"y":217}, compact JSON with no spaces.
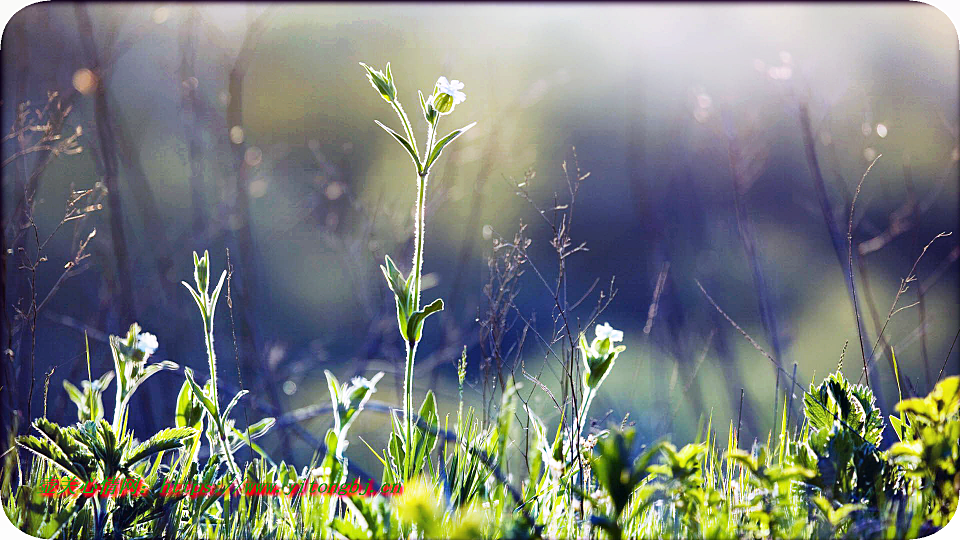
{"x":411,"y":344}
{"x":431,"y":139}
{"x":212,"y":360}
{"x":408,"y":402}
{"x":418,"y":237}
{"x":118,"y":408}
{"x":406,"y":125}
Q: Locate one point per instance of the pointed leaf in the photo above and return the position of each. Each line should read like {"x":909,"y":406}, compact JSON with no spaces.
{"x":415,"y":323}
{"x":442,"y":143}
{"x":233,"y":402}
{"x":405,"y":143}
{"x":200,"y":395}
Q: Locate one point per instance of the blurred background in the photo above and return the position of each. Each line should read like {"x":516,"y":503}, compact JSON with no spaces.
{"x":724,"y":145}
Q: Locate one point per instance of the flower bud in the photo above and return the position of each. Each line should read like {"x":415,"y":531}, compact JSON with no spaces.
{"x":201,"y":274}
{"x":382,"y":82}
{"x":430,"y":113}
{"x":443,"y":103}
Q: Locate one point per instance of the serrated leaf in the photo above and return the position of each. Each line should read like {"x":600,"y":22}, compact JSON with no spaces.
{"x":167,"y":439}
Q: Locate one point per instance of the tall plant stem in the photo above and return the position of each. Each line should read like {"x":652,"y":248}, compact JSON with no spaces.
{"x":585,"y":408}
{"x":418,"y":237}
{"x":406,"y":125}
{"x":412,"y":344}
{"x":212,"y":360}
{"x":408,"y":402}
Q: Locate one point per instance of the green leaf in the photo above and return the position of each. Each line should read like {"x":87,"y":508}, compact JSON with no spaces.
{"x":333,"y":387}
{"x":260,"y":428}
{"x":442,"y":143}
{"x":425,"y":434}
{"x":195,"y":295}
{"x":744,"y":458}
{"x":897,"y":426}
{"x":256,"y":430}
{"x":200,"y":395}
{"x":423,"y":106}
{"x":167,"y":439}
{"x":348,"y":530}
{"x":415,"y":322}
{"x":75,"y":395}
{"x":397,"y":455}
{"x":46,"y":449}
{"x":233,"y":402}
{"x":151,"y":369}
{"x":216,"y":295}
{"x":406,"y":145}
{"x":189,"y":409}
{"x":873,"y":421}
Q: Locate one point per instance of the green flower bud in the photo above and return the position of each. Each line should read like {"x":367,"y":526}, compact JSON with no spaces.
{"x":382,"y":82}
{"x":443,"y":103}
{"x":430,"y":113}
{"x":201,"y":273}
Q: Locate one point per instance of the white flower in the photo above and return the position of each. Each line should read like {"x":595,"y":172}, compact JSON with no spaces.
{"x":147,"y":343}
{"x":607,"y":331}
{"x":452,"y":89}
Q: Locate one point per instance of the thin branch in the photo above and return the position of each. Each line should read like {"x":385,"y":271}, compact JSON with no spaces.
{"x":853,"y":286}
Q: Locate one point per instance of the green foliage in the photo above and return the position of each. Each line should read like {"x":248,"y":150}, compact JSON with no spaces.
{"x":619,"y":471}
{"x":826,"y":478}
{"x":89,"y":400}
{"x":845,"y":431}
{"x":130,"y":354}
{"x":929,"y":449}
{"x":221,"y":433}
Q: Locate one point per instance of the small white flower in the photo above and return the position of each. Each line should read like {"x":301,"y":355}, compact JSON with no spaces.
{"x":452,"y":89}
{"x":607,"y":331}
{"x":147,"y":343}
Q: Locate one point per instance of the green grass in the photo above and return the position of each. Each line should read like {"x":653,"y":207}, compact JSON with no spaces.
{"x":823,"y":476}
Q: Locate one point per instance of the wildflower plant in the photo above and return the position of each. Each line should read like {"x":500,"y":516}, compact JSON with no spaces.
{"x":89,"y":397}
{"x":222,"y":434}
{"x":598,"y":359}
{"x":130,"y":355}
{"x":442,"y":101}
